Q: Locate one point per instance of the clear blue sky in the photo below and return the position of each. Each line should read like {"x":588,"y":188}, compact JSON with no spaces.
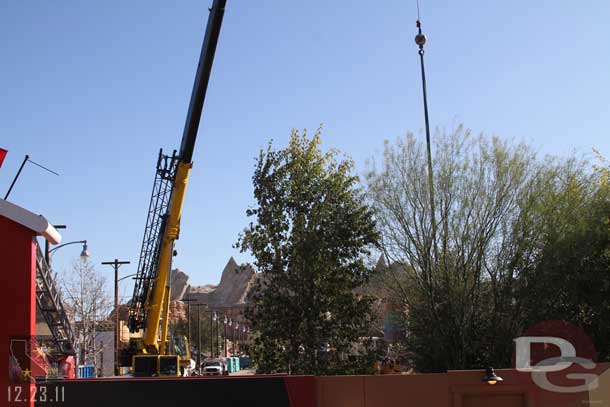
{"x":93,"y":90}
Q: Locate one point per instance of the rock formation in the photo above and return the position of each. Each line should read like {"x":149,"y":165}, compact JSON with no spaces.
{"x":231,"y":292}
{"x":179,"y":283}
{"x":177,"y":311}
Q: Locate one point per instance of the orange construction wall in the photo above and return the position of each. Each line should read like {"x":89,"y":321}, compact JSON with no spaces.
{"x":459,"y":389}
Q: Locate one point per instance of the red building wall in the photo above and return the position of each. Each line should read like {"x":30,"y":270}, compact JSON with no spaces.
{"x":17,"y":298}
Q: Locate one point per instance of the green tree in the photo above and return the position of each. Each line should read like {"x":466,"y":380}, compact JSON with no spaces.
{"x":458,"y":280}
{"x":518,"y":241}
{"x":311,"y":234}
{"x":571,"y":277}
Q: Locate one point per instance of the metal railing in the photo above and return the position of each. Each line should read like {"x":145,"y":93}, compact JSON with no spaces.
{"x":49,"y":303}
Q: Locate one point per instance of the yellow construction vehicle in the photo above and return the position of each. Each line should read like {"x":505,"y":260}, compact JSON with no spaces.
{"x":153,"y":352}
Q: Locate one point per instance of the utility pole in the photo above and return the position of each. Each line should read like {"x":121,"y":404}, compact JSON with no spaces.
{"x":198,"y":337}
{"x":117,"y":335}
{"x":188,"y":316}
{"x":198,"y":334}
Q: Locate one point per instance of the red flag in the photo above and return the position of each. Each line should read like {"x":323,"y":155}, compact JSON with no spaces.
{"x":2,"y":155}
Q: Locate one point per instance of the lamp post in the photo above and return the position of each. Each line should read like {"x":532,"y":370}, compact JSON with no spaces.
{"x":231,"y":327}
{"x":218,"y":348}
{"x":84,"y":254}
{"x":240,"y":337}
{"x":116,"y":264}
{"x":212,"y":320}
{"x":243,"y":330}
{"x":225,"y":337}
{"x":235,"y":328}
{"x":247,"y":335}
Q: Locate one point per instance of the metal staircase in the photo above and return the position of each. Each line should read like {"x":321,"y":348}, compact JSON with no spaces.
{"x":149,"y":255}
{"x":50,"y":306}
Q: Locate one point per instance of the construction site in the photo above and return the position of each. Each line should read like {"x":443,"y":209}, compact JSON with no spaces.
{"x":150,"y":352}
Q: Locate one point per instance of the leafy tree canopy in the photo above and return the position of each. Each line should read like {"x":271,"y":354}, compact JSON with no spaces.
{"x":311,"y":232}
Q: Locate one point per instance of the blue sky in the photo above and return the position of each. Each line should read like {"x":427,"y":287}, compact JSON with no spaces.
{"x":94,"y":89}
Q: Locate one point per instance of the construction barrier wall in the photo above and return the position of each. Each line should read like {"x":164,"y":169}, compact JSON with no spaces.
{"x":250,"y":391}
{"x":453,"y":389}
{"x":462,"y":389}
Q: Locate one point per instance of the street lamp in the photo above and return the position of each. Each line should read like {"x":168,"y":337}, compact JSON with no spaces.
{"x":231,"y":327}
{"x":84,"y":254}
{"x":130,"y":275}
{"x":214,"y":319}
{"x":218,"y":347}
{"x":225,"y":337}
{"x":235,"y":328}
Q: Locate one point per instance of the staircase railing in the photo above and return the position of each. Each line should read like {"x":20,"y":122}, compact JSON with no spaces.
{"x":50,"y":306}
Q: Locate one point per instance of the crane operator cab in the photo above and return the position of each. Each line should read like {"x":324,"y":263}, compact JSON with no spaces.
{"x":172,"y":363}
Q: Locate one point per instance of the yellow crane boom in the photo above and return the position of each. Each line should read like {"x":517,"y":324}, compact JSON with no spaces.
{"x":149,"y":307}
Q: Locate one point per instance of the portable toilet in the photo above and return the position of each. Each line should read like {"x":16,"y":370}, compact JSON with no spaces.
{"x":229,"y":365}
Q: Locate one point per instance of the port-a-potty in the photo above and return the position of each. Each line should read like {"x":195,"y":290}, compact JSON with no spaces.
{"x":18,"y":248}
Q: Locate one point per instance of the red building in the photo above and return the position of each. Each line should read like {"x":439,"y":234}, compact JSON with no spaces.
{"x":18,"y":255}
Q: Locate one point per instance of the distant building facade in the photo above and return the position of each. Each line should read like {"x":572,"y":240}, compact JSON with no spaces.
{"x":104,"y":349}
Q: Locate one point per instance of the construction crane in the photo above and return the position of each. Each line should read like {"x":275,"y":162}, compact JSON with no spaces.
{"x":149,"y":307}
